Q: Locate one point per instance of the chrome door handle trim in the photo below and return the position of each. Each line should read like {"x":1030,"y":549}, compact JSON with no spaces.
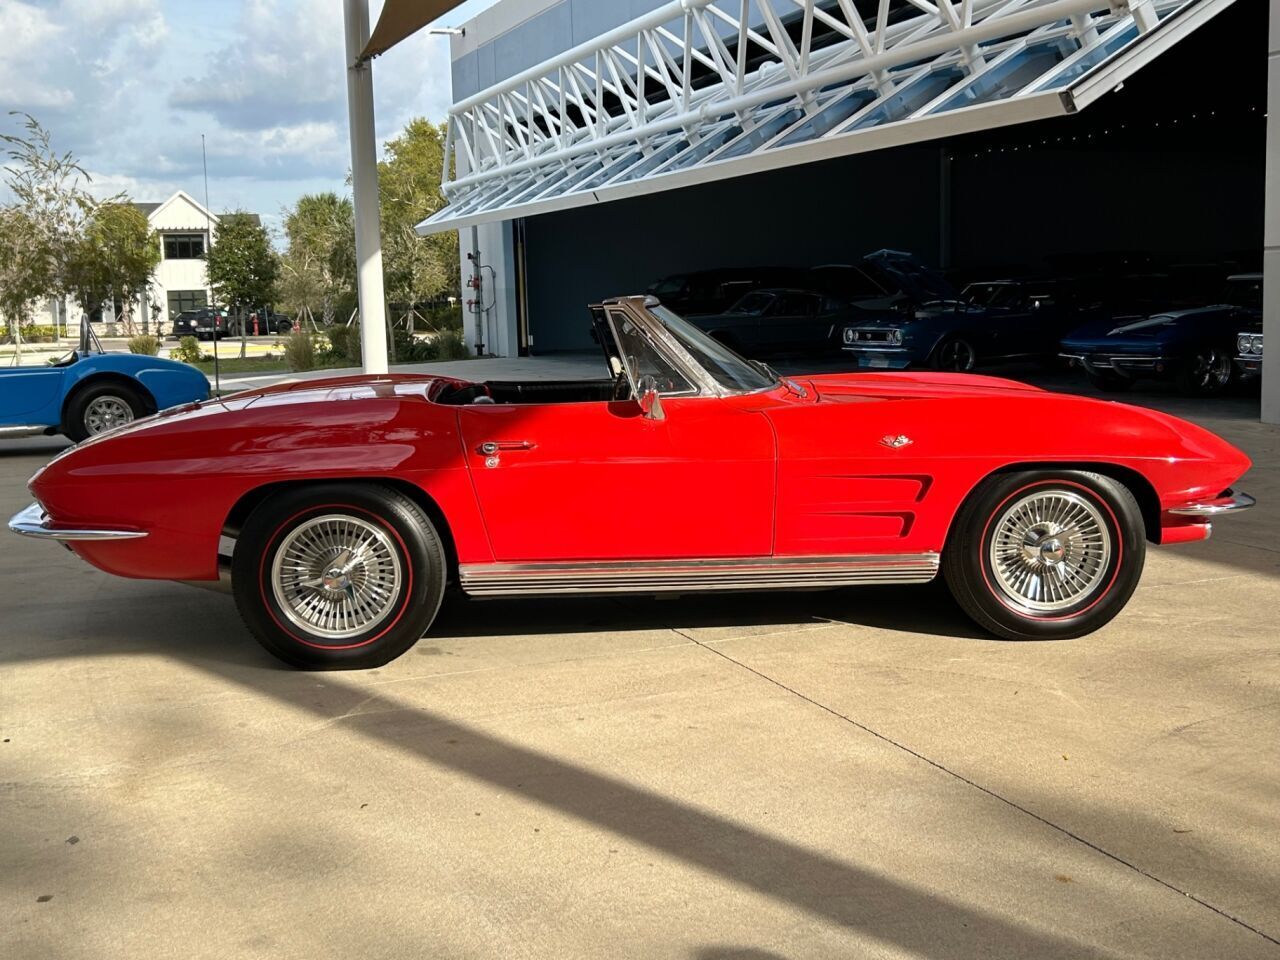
{"x":490,"y":447}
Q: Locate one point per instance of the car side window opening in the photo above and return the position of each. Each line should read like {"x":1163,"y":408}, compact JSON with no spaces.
{"x":753,"y":304}
{"x":641,"y":359}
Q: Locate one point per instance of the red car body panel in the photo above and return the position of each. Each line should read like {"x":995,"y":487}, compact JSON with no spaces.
{"x":753,"y":475}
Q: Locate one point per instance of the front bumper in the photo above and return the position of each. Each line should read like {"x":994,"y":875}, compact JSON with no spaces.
{"x":33,"y":522}
{"x":1230,"y":501}
{"x":1249,"y":366}
{"x":880,"y":358}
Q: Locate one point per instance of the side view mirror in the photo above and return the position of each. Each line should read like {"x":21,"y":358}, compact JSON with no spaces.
{"x":650,"y":402}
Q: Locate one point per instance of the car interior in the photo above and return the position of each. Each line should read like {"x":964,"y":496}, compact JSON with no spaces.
{"x":549,"y":391}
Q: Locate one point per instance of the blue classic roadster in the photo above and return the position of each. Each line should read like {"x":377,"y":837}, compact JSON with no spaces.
{"x":89,"y":391}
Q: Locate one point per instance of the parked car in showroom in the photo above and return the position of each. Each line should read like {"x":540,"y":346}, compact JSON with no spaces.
{"x":713,"y":291}
{"x":780,"y":320}
{"x":885,"y":280}
{"x":205,"y":323}
{"x":992,"y":321}
{"x":1194,"y":347}
{"x":340,"y":509}
{"x":88,"y":391}
{"x":1249,"y":353}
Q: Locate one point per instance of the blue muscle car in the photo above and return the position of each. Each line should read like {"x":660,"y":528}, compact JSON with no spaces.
{"x":992,"y":321}
{"x":89,"y":391}
{"x":1193,"y":347}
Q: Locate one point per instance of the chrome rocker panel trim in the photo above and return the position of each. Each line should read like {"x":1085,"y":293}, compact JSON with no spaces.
{"x":693,"y":576}
{"x":23,"y":430}
{"x":1229,"y":501}
{"x":32,"y":522}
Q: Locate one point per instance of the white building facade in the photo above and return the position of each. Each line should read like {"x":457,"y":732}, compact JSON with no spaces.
{"x":186,"y":230}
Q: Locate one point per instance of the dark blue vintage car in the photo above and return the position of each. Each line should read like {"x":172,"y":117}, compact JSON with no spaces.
{"x":988,"y":322}
{"x":1194,"y":347}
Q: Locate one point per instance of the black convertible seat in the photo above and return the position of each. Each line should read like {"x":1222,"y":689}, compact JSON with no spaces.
{"x":551,"y":391}
{"x":536,"y":391}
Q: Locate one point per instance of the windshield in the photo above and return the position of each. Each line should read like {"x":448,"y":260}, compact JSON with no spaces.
{"x":727,"y":368}
{"x":752,"y":304}
{"x":1244,"y":292}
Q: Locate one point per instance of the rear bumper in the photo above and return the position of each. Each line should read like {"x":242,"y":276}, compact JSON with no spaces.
{"x":1124,"y":364}
{"x":1231,"y":501}
{"x":33,"y":522}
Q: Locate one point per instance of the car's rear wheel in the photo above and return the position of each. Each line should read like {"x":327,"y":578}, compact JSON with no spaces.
{"x":97,"y":408}
{"x":338,"y":576}
{"x":956,"y":355}
{"x":1045,"y":555}
{"x":1207,"y":373}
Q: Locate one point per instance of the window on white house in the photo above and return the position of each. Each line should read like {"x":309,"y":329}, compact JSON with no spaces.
{"x":183,"y":300}
{"x":183,"y":246}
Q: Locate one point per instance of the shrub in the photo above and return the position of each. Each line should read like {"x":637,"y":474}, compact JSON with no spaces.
{"x":344,"y":343}
{"x":451,"y":345}
{"x":300,"y":352}
{"x":187,"y":351}
{"x":145,"y":344}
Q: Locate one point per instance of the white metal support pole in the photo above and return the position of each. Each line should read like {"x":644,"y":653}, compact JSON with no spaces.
{"x":364,"y":183}
{"x":1271,"y":232}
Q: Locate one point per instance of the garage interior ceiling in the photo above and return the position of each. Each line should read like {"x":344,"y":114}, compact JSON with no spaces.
{"x":733,"y":87}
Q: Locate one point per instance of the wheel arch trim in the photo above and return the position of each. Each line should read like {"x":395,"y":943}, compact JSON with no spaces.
{"x":252,"y":498}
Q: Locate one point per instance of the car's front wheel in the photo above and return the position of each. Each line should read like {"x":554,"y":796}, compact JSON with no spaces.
{"x":338,"y":576}
{"x":1207,"y":373}
{"x":956,"y":355}
{"x":1045,"y":555}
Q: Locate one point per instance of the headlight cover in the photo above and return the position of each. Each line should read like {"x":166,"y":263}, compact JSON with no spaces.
{"x":1244,"y":343}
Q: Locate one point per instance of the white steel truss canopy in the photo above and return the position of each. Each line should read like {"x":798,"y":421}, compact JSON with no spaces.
{"x":733,"y":87}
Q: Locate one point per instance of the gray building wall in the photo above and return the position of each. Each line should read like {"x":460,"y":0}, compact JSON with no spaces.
{"x":1271,"y":231}
{"x":514,"y":35}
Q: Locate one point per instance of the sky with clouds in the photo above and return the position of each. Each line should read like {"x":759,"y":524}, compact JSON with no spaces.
{"x":130,"y":85}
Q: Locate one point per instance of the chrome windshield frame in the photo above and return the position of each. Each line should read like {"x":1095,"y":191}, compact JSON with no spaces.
{"x":666,"y":343}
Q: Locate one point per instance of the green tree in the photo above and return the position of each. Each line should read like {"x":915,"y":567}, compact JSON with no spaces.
{"x":43,"y":224}
{"x":317,"y":270}
{"x":123,"y":253}
{"x":416,"y":268}
{"x":243,"y":268}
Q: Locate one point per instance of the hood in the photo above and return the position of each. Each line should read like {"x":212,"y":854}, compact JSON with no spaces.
{"x":912,"y":385}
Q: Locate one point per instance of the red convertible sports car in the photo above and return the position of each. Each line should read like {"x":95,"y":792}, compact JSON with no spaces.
{"x":340,"y":509}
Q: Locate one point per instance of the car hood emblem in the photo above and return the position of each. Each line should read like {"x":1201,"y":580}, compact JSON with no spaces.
{"x":894,"y":443}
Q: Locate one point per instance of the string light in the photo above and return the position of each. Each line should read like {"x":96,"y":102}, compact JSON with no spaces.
{"x":1104,"y":134}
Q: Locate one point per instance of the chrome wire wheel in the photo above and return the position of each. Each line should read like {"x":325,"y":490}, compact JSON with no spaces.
{"x":106,"y":413}
{"x":337,"y":576}
{"x":1050,"y":551}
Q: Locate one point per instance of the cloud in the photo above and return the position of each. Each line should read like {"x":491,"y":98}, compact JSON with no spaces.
{"x":77,"y":63}
{"x":284,"y":101}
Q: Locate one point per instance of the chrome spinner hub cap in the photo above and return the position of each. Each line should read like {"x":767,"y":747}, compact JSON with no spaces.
{"x":106,"y":413}
{"x":336,"y":576}
{"x":1050,"y":551}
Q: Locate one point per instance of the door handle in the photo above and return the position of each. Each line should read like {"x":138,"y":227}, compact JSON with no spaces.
{"x":491,"y":447}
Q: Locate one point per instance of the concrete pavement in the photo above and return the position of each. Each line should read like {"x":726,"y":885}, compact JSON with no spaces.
{"x":849,"y":774}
